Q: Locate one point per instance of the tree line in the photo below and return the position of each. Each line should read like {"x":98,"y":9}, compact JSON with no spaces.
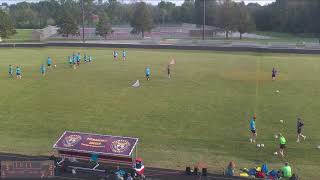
{"x":292,"y":16}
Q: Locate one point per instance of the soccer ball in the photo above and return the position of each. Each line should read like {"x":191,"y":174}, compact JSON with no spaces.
{"x":275,"y":153}
{"x":318,"y":147}
{"x":277,"y":91}
{"x":258,"y":145}
{"x":55,"y":65}
{"x":276,"y":136}
{"x":262,"y":145}
{"x":281,"y":121}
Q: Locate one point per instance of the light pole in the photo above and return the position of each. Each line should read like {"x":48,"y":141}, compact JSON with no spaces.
{"x":82,"y":9}
{"x":204,"y":18}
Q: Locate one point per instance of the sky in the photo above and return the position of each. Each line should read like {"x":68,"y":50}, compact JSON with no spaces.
{"x":177,"y":2}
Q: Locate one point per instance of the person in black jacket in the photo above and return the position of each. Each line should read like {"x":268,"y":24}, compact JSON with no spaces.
{"x":300,"y":125}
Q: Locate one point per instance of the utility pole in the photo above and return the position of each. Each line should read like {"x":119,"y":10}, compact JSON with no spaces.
{"x":82,"y":9}
{"x":204,"y":18}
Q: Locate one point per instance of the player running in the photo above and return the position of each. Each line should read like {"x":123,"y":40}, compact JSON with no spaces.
{"x":18,"y":72}
{"x":274,"y":73}
{"x":49,"y":62}
{"x":282,"y":141}
{"x":148,"y":73}
{"x":253,"y":130}
{"x":90,"y":59}
{"x":124,"y":54}
{"x":300,"y":125}
{"x":43,"y":70}
{"x":10,"y":71}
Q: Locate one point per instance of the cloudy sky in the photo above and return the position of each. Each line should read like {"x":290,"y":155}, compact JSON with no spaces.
{"x":178,"y":2}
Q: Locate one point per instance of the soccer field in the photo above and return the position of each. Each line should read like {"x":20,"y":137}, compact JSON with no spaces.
{"x":200,"y":114}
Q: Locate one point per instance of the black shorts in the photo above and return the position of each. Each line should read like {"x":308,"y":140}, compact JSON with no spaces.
{"x":253,"y":131}
{"x":49,"y":65}
{"x":299,"y":131}
{"x":282,"y":146}
{"x":273,"y":75}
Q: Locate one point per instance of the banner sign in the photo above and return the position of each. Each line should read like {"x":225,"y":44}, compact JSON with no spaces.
{"x":96,"y":143}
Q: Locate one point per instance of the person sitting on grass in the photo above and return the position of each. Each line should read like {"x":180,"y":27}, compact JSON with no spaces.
{"x":230,"y":169}
{"x":18,"y":72}
{"x":10,"y":72}
{"x":286,"y":171}
{"x":43,"y":70}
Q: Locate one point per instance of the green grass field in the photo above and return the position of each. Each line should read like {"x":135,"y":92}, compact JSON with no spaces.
{"x":22,"y":35}
{"x":201,"y":114}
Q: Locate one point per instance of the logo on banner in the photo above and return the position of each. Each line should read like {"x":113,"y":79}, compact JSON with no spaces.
{"x":71,"y":140}
{"x":119,"y":146}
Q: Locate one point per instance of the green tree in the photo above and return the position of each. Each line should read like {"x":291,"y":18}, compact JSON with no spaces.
{"x":24,"y":16}
{"x":226,"y":17}
{"x":142,"y":19}
{"x":6,"y":25}
{"x":67,"y":25}
{"x":103,"y":27}
{"x":167,"y":12}
{"x":243,"y":21}
{"x":187,"y":11}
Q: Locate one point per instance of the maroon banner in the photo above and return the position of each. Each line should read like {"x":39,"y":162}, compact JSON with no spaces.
{"x":96,"y":143}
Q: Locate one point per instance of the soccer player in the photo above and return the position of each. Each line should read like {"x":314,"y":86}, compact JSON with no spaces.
{"x":282,"y":141}
{"x":49,"y":62}
{"x":18,"y":72}
{"x":124,"y":54}
{"x":90,"y":59}
{"x":70,"y":60}
{"x":74,"y":61}
{"x":253,"y":130}
{"x":274,"y":73}
{"x":115,"y":55}
{"x":300,"y":125}
{"x":85,"y":58}
{"x":10,"y":71}
{"x":43,"y":70}
{"x":78,"y":59}
{"x":148,"y":73}
{"x":168,"y":69}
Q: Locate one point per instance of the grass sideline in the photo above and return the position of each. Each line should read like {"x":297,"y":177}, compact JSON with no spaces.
{"x":201,"y":114}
